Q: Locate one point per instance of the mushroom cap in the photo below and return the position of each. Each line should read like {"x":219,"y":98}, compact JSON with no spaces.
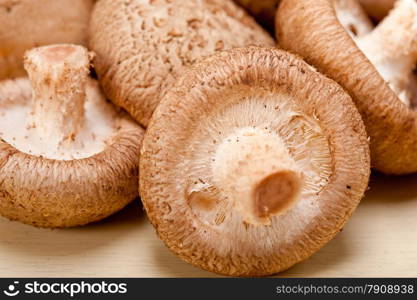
{"x":257,"y":90}
{"x":142,"y":46}
{"x":413,"y":89}
{"x":312,"y":30}
{"x":262,"y":10}
{"x":377,"y":9}
{"x":48,"y":192}
{"x":25,"y":24}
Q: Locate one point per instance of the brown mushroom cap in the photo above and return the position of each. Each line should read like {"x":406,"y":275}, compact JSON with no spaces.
{"x":252,"y":162}
{"x":350,"y":12}
{"x":43,"y":187}
{"x":142,"y":46}
{"x":312,"y":30}
{"x":262,"y":10}
{"x":377,"y":9}
{"x":25,"y":24}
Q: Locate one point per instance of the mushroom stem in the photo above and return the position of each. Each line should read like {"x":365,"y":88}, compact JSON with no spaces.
{"x":392,"y":46}
{"x":256,"y":172}
{"x":58,"y":75}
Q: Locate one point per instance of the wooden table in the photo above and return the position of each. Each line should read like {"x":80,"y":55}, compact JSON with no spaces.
{"x":379,"y":241}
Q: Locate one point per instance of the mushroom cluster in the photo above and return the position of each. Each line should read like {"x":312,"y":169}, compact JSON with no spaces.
{"x":253,"y":157}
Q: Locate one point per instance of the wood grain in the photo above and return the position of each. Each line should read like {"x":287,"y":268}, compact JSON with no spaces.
{"x":379,"y":241}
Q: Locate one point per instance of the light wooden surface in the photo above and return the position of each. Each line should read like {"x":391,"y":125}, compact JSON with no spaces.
{"x":379,"y":241}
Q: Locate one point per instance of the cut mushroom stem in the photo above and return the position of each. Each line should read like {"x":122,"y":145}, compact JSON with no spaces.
{"x":392,"y":47}
{"x":59,"y":76}
{"x":257,"y":173}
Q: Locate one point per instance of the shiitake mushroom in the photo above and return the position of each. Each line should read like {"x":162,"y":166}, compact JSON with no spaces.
{"x":143,"y":46}
{"x":375,"y":68}
{"x":349,"y":12}
{"x":25,"y":24}
{"x":67,"y":157}
{"x":252,"y":162}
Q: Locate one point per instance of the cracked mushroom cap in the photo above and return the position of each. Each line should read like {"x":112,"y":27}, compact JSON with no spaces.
{"x":142,"y":46}
{"x":252,"y":162}
{"x":25,"y":24}
{"x":375,"y":68}
{"x":67,"y":157}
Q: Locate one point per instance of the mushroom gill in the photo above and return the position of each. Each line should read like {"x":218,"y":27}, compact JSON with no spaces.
{"x":392,"y":48}
{"x":376,"y":69}
{"x":252,"y":162}
{"x":67,"y":157}
{"x":254,"y":170}
{"x":262,"y":10}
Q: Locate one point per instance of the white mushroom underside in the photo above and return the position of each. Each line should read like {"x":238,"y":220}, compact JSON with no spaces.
{"x":276,"y":116}
{"x":17,"y":127}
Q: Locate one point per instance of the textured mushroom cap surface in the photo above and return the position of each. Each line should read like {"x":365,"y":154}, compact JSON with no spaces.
{"x":63,"y":193}
{"x":25,"y":24}
{"x":314,"y":32}
{"x":142,"y":46}
{"x":221,"y":103}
